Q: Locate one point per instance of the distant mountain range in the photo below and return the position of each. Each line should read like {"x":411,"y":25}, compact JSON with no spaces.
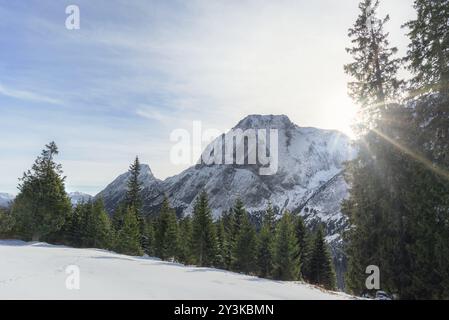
{"x":75,"y":197}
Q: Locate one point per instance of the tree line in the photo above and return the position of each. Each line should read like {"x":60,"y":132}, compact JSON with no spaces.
{"x":283,"y":249}
{"x":399,"y":198}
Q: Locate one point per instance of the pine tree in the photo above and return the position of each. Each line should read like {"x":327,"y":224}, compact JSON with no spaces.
{"x":245,"y":247}
{"x":322,"y":271}
{"x":149,"y":237}
{"x":186,"y":236}
{"x":375,"y":207}
{"x":302,"y":240}
{"x":133,"y":198}
{"x":99,"y":225}
{"x":265,"y":247}
{"x":167,"y":233}
{"x":374,"y":68}
{"x":133,"y":193}
{"x":426,"y":193}
{"x":286,"y":260}
{"x":222,"y":244}
{"x":6,"y":224}
{"x":204,"y":237}
{"x":228,"y":225}
{"x":42,"y":204}
{"x":128,"y":237}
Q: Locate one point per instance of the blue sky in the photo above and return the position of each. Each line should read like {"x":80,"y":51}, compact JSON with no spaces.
{"x":136,"y":70}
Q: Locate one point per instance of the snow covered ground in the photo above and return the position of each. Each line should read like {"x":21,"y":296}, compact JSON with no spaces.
{"x":38,"y":271}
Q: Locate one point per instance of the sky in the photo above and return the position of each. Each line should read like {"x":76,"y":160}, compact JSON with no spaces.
{"x":137,"y":70}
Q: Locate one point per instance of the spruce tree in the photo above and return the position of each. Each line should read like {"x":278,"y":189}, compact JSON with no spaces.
{"x":302,"y":239}
{"x":265,"y":244}
{"x":133,"y":198}
{"x":186,"y":240}
{"x":321,"y":266}
{"x":128,"y":237}
{"x":6,"y":224}
{"x":245,"y":247}
{"x":42,"y":205}
{"x":427,"y":192}
{"x":204,"y":236}
{"x":374,"y":67}
{"x":228,"y":225}
{"x":375,"y":207}
{"x":133,"y":193}
{"x":167,"y":233}
{"x":222,"y":244}
{"x":286,"y":259}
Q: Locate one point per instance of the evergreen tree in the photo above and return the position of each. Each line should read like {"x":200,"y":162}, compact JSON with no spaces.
{"x":167,"y":236}
{"x":245,"y":247}
{"x":375,"y":208}
{"x":42,"y":204}
{"x":302,"y":240}
{"x":6,"y":224}
{"x":133,"y":198}
{"x":228,"y":225}
{"x":286,"y":260}
{"x":128,"y":237}
{"x":222,"y":244}
{"x":149,"y":237}
{"x":322,"y":271}
{"x":204,"y":237}
{"x":98,"y":226}
{"x":265,"y":247}
{"x":186,"y":236}
{"x":426,"y":192}
{"x":374,"y":68}
{"x":133,"y":193}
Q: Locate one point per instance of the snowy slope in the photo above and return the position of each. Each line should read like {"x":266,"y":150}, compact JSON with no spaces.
{"x":5,"y":199}
{"x":37,"y":271}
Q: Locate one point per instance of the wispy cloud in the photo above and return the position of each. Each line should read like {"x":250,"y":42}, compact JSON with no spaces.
{"x":27,"y":95}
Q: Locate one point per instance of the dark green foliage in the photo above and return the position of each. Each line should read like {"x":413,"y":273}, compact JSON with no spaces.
{"x":286,"y":257}
{"x":128,"y":237}
{"x":149,"y":237}
{"x":399,"y":183}
{"x":133,"y":196}
{"x":245,"y":247}
{"x":186,"y":240}
{"x":204,"y":237}
{"x":265,"y":244}
{"x":321,"y":266}
{"x":302,"y":237}
{"x":167,"y":236}
{"x":6,"y":224}
{"x":222,"y":244}
{"x":42,"y":205}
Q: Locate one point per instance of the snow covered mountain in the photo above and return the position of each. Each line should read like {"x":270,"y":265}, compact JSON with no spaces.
{"x":5,"y":200}
{"x":42,"y":271}
{"x":77,"y":197}
{"x":309,"y":179}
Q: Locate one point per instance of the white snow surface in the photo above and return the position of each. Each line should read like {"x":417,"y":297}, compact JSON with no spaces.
{"x":36,"y":270}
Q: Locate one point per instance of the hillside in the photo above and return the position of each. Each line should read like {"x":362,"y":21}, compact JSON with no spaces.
{"x":38,"y":271}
